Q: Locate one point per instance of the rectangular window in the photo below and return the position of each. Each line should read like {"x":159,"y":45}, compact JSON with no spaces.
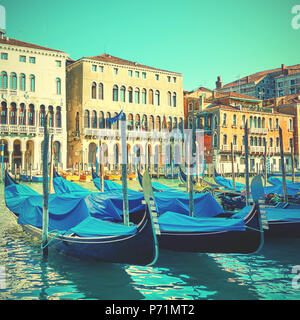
{"x":22,"y":58}
{"x":292,"y":91}
{"x":130,"y":73}
{"x":32,"y":60}
{"x":116,"y":70}
{"x":58,"y":63}
{"x":101,"y":68}
{"x":157,"y":77}
{"x":174,"y":79}
{"x":280,"y":93}
{"x":280,"y":84}
{"x":4,"y":56}
{"x":293,"y":82}
{"x":137,"y":74}
{"x":94,"y":67}
{"x":169,"y":78}
{"x":144,"y":75}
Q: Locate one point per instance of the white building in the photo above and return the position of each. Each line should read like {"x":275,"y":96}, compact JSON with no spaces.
{"x":32,"y":83}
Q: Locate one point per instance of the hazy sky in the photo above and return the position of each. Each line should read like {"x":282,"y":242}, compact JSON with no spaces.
{"x":199,"y":38}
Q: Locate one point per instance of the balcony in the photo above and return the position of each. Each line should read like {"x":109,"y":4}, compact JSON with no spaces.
{"x":26,"y":129}
{"x":258,"y":130}
{"x":131,"y":134}
{"x":225,"y":147}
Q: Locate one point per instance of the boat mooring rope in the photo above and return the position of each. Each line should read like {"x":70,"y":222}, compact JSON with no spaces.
{"x":48,"y":242}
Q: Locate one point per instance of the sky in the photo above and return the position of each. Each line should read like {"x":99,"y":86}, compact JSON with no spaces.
{"x":201,"y":39}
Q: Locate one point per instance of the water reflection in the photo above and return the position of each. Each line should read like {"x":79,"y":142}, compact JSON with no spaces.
{"x":266,"y":275}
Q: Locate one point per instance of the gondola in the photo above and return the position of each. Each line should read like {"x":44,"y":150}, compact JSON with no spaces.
{"x":206,"y":235}
{"x":34,"y":178}
{"x":228,"y":183}
{"x":205,"y":204}
{"x":74,"y":232}
{"x":157,"y":186}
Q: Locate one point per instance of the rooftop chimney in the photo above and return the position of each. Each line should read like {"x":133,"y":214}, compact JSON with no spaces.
{"x":283,"y":67}
{"x":2,"y":33}
{"x":219,"y":83}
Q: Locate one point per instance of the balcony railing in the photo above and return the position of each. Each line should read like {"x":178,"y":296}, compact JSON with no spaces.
{"x":26,"y":129}
{"x":131,"y":134}
{"x":258,"y":130}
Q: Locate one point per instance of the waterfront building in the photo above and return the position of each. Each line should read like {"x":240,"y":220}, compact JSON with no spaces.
{"x":32,"y":83}
{"x":99,"y":87}
{"x":266,"y":84}
{"x":289,"y":104}
{"x":223,"y":117}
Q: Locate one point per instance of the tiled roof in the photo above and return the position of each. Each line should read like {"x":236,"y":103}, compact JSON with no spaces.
{"x":111,"y":59}
{"x":256,"y":77}
{"x":222,"y":95}
{"x":14,"y":42}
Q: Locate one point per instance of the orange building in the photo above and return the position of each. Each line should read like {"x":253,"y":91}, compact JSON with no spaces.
{"x":289,"y":104}
{"x":223,"y":116}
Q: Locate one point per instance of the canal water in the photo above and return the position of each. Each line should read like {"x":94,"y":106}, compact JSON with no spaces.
{"x":262,"y":276}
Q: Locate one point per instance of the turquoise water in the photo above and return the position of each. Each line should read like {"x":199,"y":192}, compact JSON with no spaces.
{"x":24,"y":274}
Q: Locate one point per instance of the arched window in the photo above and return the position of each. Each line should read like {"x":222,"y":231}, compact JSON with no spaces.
{"x":86,"y":119}
{"x":13,"y":81}
{"x":271,"y":142}
{"x":234,"y":120}
{"x":137,"y":95}
{"x":174,"y":99}
{"x":255,"y":141}
{"x":224,"y":139}
{"x":157,"y":98}
{"x":31,"y":115}
{"x":108,"y":123}
{"x":169,"y":97}
{"x":151,"y":97}
{"x":144,"y":95}
{"x":224,"y":119}
{"x":263,"y":122}
{"x":259,"y":122}
{"x":13,"y":113}
{"x":22,"y":114}
{"x":42,"y":116}
{"x":251,"y":141}
{"x":3,"y":112}
{"x":32,"y":83}
{"x":137,"y":121}
{"x":215,"y":122}
{"x":51,"y":116}
{"x":158,"y":124}
{"x":3,"y":80}
{"x":215,"y":140}
{"x":100,"y":91}
{"x":175,"y":124}
{"x":122,"y":94}
{"x":234,"y":142}
{"x":58,"y":86}
{"x":251,"y":122}
{"x":130,"y":95}
{"x":22,"y":85}
{"x":170,"y":124}
{"x":255,"y":122}
{"x":58,"y":117}
{"x":151,"y":123}
{"x":181,"y":124}
{"x":115,"y":93}
{"x":94,"y":90}
{"x":243,"y":121}
{"x":270,"y":124}
{"x":94,"y":119}
{"x":101,"y":120}
{"x":130,"y":121}
{"x":144,"y":123}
